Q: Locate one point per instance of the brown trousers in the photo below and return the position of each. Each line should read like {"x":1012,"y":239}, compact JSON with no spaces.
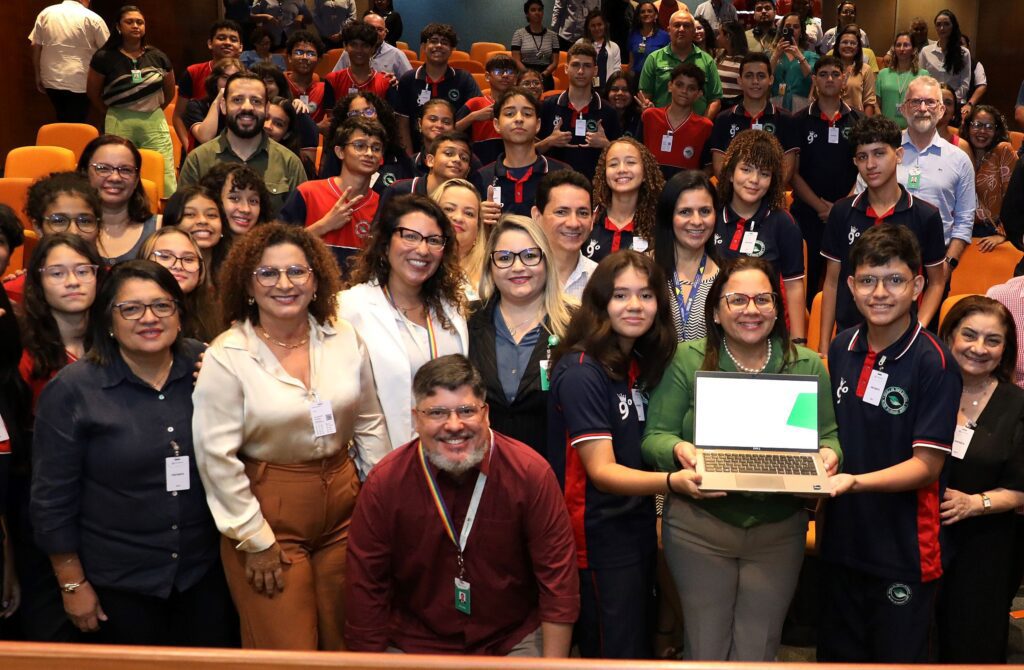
{"x":309,"y":507}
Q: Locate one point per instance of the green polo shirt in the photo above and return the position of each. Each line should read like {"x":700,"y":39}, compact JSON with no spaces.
{"x":281,"y":170}
{"x":654,"y":78}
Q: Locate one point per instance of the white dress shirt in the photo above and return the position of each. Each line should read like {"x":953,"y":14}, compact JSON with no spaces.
{"x":69,"y":34}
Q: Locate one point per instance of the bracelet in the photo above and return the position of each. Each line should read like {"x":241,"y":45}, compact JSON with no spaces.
{"x":668,"y":483}
{"x":799,"y":340}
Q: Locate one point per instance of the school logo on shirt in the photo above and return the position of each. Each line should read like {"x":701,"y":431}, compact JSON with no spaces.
{"x":453,"y":95}
{"x":718,"y":240}
{"x":895,"y":401}
{"x":389,"y":178}
{"x":592,"y":248}
{"x":842,"y":390}
{"x":688,"y":152}
{"x":853,"y":234}
{"x":811,"y":136}
{"x":623,"y":406}
{"x":770,"y":127}
{"x":846,"y":133}
{"x":591,"y":126}
{"x":363,"y":230}
{"x":758,"y":250}
{"x":556,"y":122}
{"x":899,"y":594}
{"x":733,"y":129}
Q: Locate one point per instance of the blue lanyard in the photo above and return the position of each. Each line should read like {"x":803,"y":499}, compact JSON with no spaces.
{"x":685,"y":305}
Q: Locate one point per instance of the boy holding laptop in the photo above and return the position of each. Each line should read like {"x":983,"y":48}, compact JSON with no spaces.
{"x":896,"y":392}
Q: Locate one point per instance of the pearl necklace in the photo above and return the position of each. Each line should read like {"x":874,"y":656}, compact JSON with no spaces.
{"x":741,"y":367}
{"x":286,"y":345}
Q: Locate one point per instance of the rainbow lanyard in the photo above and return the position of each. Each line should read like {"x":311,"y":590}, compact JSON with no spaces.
{"x":442,"y":509}
{"x":677,"y":286}
{"x":431,"y":336}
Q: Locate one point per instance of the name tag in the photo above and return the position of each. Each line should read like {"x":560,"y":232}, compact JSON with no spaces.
{"x":462,"y":597}
{"x":749,"y":240}
{"x":423,"y":97}
{"x":640,"y":244}
{"x":876,"y":385}
{"x":638,"y":403}
{"x":756,"y":126}
{"x":914,"y":181}
{"x":4,"y":436}
{"x":581,"y":128}
{"x":304,"y":99}
{"x":545,"y":381}
{"x":176,"y":468}
{"x":352,"y":90}
{"x":323,"y":419}
{"x":496,"y":194}
{"x":961,"y":440}
{"x":666,"y":142}
{"x":833,"y":135}
{"x":136,"y":76}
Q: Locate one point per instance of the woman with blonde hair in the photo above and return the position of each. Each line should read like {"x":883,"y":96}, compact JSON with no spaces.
{"x":524,"y":314}
{"x":461,"y":203}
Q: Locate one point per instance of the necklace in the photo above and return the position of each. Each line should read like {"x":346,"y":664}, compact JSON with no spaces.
{"x":978,"y":394}
{"x":741,"y":367}
{"x":514,"y":329}
{"x":286,"y":345}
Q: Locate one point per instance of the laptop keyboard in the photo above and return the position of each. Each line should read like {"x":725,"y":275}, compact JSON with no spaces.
{"x":768,"y":464}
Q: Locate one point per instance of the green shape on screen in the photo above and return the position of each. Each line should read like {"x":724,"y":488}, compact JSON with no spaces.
{"x":805,"y":412}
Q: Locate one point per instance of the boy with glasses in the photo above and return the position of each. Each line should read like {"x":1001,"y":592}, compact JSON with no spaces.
{"x":896,"y":392}
{"x":448,"y":157}
{"x":304,"y":50}
{"x":477,"y":114}
{"x":340,"y":209}
{"x":876,"y":153}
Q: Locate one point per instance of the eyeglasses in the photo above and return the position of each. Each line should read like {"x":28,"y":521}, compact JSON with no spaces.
{"x":368,"y":112}
{"x":60,"y":222}
{"x":914,"y":103}
{"x":438,"y":42}
{"x":413,"y":238}
{"x":894,"y":283}
{"x":981,"y":125}
{"x":506,"y":259}
{"x":188,"y":262}
{"x":124,"y":171}
{"x":503,"y":72}
{"x":737,"y":302}
{"x":132,"y":310}
{"x":361,"y":146}
{"x":462,"y":412}
{"x":58,"y":273}
{"x":269,"y":276}
{"x":303,"y":53}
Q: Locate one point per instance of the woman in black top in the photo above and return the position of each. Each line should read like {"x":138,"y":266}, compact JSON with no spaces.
{"x":523,"y":316}
{"x":985,"y":485}
{"x":116,"y":498}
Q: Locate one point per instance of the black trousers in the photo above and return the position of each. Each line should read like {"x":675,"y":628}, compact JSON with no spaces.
{"x":812,"y":228}
{"x":201,"y":616}
{"x":71,"y":107}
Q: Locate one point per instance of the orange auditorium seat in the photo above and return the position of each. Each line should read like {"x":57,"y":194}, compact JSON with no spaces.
{"x":328,"y":61}
{"x":458,"y":55}
{"x":977,"y":271}
{"x":481,"y":51}
{"x":470,"y":66}
{"x":21,"y":256}
{"x":947,"y":305}
{"x":14,"y":194}
{"x":72,"y":136}
{"x":151,"y":194}
{"x":153,"y":169}
{"x":35,"y":162}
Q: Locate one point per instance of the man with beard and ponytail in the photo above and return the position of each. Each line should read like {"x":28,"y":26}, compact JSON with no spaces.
{"x":476,"y":556}
{"x":244,"y":106}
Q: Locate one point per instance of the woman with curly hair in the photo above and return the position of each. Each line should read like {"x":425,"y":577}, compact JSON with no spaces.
{"x":627,"y":182}
{"x":196,"y":209}
{"x":994,"y":162}
{"x":404,"y":298}
{"x":244,"y":196}
{"x":275,"y":420}
{"x":754,"y":221}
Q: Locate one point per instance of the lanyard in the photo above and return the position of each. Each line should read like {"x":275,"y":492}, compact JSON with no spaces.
{"x":431,"y":337}
{"x":685,"y":305}
{"x":442,"y":509}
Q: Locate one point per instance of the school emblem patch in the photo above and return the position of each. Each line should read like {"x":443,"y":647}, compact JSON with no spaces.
{"x":895,"y":400}
{"x":899,"y":594}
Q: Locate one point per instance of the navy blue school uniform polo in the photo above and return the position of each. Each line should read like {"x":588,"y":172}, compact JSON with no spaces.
{"x":778,"y":239}
{"x":415,"y":89}
{"x":853,"y":215}
{"x":826,"y":165}
{"x":557,"y":113}
{"x":890,"y":535}
{"x":518,"y":185}
{"x":417,"y":185}
{"x":736,"y":119}
{"x":585,"y":404}
{"x":606,"y":238}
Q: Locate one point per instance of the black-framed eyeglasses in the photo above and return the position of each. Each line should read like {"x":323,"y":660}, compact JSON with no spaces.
{"x":503,"y":72}
{"x":86,"y":223}
{"x":304,"y":53}
{"x":133,"y":310}
{"x":362,"y":145}
{"x":463,"y":412}
{"x":83,"y":272}
{"x":530,"y":257}
{"x":188,"y":262}
{"x":737,"y":302}
{"x":269,"y":276}
{"x":124,"y":171}
{"x":982,"y":125}
{"x":413,"y":238}
{"x":368,"y":112}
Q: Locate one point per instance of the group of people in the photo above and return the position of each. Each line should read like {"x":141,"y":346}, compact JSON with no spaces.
{"x":497,"y":304}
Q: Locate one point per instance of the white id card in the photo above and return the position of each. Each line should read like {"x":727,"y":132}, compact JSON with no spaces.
{"x":640,"y":244}
{"x":323,"y":419}
{"x":876,"y":385}
{"x":304,"y":99}
{"x":352,"y":90}
{"x":638,"y":403}
{"x":749,"y":240}
{"x":4,"y":435}
{"x":666,"y":143}
{"x":496,"y":194}
{"x":757,"y":126}
{"x":833,"y":135}
{"x":177,"y":473}
{"x":581,"y":128}
{"x":423,"y":97}
{"x":961,"y":440}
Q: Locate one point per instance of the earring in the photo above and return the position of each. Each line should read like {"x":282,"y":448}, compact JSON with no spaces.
{"x":314,"y":295}
{"x":252,"y":300}
{"x":111,"y":334}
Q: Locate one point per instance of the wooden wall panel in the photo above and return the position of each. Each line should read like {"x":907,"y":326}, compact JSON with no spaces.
{"x":1001,"y":50}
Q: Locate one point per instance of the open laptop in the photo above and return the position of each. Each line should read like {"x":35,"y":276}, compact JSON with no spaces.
{"x":758,"y":433}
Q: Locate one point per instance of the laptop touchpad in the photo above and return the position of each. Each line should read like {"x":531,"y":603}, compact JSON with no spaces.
{"x":755,"y":482}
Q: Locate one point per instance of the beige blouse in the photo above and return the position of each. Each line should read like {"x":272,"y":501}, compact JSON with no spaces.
{"x":860,"y":88}
{"x":246,"y":404}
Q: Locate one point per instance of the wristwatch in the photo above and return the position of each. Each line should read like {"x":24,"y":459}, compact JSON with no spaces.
{"x":71,"y":587}
{"x":953,"y":262}
{"x":799,"y":340}
{"x":986,"y":503}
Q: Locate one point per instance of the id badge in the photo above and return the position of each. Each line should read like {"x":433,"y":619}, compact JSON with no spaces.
{"x":323,"y":418}
{"x":749,"y":240}
{"x":176,"y":468}
{"x":304,"y":99}
{"x":640,"y":244}
{"x":914,"y":179}
{"x":496,"y":194}
{"x":833,"y":135}
{"x":961,"y":440}
{"x":462,"y":596}
{"x":782,"y":89}
{"x":666,"y":143}
{"x":638,"y":403}
{"x":581,"y":128}
{"x":352,"y":90}
{"x":757,"y":126}
{"x":545,"y":381}
{"x":136,"y":76}
{"x":4,"y":435}
{"x":423,"y":97}
{"x":876,"y":386}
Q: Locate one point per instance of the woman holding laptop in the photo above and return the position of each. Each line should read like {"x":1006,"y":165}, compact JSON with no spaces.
{"x":735,"y":558}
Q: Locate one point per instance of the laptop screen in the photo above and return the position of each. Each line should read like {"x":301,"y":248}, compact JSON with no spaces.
{"x":737,"y":411}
